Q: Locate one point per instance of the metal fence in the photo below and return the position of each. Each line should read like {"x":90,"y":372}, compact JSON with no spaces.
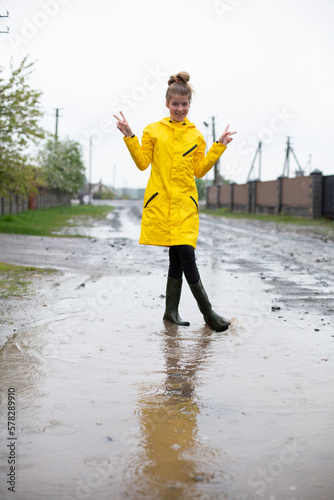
{"x":328,"y":196}
{"x":44,"y":198}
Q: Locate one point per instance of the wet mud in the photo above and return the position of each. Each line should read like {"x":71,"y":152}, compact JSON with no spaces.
{"x":112,"y":403}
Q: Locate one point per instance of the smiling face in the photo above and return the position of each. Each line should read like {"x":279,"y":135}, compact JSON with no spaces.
{"x":178,"y":106}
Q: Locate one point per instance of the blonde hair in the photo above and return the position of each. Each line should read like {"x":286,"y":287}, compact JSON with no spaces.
{"x":178,"y":84}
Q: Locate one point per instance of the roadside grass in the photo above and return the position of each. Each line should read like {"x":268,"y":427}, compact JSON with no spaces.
{"x":15,"y":280}
{"x":45,"y":222}
{"x":320,"y":222}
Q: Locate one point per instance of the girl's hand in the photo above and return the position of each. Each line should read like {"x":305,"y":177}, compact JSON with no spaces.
{"x":123,"y":125}
{"x":226,"y":137}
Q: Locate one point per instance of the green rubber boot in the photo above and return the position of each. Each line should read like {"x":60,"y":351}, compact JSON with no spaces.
{"x":213,"y":319}
{"x":173,"y":294}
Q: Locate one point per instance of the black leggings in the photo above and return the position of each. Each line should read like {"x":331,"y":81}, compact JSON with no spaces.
{"x":182,"y":260}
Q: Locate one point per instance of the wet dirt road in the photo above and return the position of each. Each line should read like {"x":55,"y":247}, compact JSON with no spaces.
{"x":111,"y":403}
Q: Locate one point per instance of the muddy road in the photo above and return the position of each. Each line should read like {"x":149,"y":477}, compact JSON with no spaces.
{"x":111,"y":403}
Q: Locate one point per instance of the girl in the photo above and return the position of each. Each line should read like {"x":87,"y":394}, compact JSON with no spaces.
{"x":176,"y":151}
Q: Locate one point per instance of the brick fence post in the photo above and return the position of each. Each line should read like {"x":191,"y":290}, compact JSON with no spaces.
{"x":316,"y":194}
{"x":251,"y":202}
{"x":253,"y":195}
{"x":218,"y":195}
{"x":231,"y":196}
{"x":212,"y":191}
{"x":278,"y":208}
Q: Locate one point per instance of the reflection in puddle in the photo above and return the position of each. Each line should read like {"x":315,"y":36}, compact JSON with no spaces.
{"x":173,"y":460}
{"x":130,"y":229}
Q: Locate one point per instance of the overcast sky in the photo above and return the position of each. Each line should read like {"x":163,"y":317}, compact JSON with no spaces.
{"x":266,"y":67}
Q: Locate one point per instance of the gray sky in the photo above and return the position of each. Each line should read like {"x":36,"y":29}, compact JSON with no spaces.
{"x":266,"y":67}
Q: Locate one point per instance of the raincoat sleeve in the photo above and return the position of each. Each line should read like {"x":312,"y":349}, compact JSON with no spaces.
{"x":142,"y":154}
{"x":203,"y":163}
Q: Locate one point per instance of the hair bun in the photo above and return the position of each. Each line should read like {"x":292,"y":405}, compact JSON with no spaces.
{"x":182,"y":77}
{"x":178,"y":84}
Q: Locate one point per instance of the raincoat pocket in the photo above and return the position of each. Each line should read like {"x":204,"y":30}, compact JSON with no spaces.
{"x":193,"y":199}
{"x":190,"y":150}
{"x":150,"y":199}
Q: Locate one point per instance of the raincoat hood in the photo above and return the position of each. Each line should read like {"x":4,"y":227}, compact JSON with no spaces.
{"x":186,"y":124}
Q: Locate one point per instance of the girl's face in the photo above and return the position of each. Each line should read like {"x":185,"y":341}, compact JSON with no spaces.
{"x":178,"y":106}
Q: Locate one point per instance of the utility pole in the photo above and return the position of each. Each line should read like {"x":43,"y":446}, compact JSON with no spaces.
{"x":286,"y":161}
{"x":7,"y":15}
{"x":216,"y":168}
{"x":258,"y":152}
{"x":90,"y":170}
{"x":56,"y":133}
{"x":213,"y":129}
{"x":57,"y":116}
{"x":289,"y":150}
{"x":308,"y":167}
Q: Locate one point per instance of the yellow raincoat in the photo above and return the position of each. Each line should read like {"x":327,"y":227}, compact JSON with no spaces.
{"x":176,"y":151}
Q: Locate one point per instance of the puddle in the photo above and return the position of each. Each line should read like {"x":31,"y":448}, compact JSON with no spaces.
{"x":114,"y":404}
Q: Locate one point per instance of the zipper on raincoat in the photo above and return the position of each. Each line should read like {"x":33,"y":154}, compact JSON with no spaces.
{"x":150,"y":199}
{"x":194,"y":202}
{"x":190,"y":150}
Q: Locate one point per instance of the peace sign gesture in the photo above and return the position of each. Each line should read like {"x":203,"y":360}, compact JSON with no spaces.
{"x":123,"y":125}
{"x":225,"y":138}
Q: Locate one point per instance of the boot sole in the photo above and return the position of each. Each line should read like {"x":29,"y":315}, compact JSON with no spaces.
{"x":184,"y":323}
{"x":222,"y":328}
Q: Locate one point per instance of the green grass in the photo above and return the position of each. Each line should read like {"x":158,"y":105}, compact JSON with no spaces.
{"x":301,"y":221}
{"x":15,"y":280}
{"x":45,"y":222}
